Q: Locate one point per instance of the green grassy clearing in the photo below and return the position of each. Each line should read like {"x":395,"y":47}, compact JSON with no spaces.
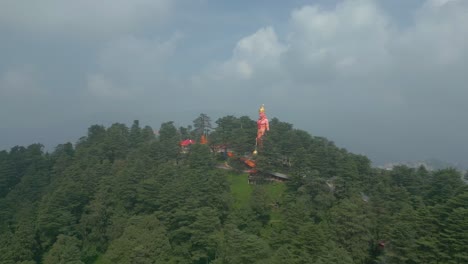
{"x":241,"y":190}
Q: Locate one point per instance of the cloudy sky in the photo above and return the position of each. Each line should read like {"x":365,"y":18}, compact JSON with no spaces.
{"x":387,"y":79}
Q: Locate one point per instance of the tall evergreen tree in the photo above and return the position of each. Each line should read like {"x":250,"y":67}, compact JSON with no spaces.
{"x":202,"y":125}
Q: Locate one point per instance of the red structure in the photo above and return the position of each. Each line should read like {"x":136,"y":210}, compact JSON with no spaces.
{"x":203,"y":140}
{"x":186,"y":143}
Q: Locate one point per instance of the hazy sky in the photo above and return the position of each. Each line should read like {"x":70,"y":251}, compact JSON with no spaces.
{"x":387,"y":79}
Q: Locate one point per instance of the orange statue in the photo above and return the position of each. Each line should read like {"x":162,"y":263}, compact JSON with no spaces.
{"x":262,"y":124}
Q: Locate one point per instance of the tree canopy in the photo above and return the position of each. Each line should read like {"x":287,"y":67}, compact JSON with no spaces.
{"x":125,"y":195}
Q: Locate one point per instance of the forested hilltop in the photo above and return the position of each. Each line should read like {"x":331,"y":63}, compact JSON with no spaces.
{"x":128,"y":195}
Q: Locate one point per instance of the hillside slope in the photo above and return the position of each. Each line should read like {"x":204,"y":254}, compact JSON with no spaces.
{"x":124,"y":195}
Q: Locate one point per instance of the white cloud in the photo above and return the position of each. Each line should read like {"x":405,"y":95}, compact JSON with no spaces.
{"x":350,"y":39}
{"x":21,"y":81}
{"x":254,"y":58}
{"x":98,"y":18}
{"x":352,"y":47}
{"x":130,"y":67}
{"x":263,"y":45}
{"x":439,"y":3}
{"x":320,"y":48}
{"x":439,"y":36}
{"x":244,"y":69}
{"x":348,"y":72}
{"x":252,"y":53}
{"x":100,"y":86}
{"x":353,"y":65}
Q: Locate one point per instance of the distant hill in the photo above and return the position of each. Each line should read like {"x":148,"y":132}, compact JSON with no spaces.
{"x":429,"y":164}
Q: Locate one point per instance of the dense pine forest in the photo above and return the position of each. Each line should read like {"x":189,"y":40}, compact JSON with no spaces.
{"x":130,"y":195}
